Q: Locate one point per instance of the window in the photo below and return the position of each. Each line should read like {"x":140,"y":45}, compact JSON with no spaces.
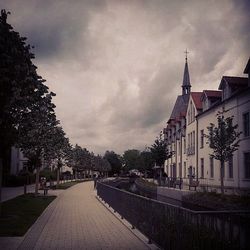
{"x":180,"y":170}
{"x":202,"y":167}
{"x":230,"y":168}
{"x":184,"y":146}
{"x":202,"y":138}
{"x":247,"y":165}
{"x":246,"y":127}
{"x":193,"y":146}
{"x":211,"y":167}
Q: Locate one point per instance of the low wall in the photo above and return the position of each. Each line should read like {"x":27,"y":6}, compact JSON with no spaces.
{"x":172,"y":193}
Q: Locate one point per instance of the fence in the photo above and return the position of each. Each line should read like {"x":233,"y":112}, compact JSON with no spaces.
{"x":174,"y":228}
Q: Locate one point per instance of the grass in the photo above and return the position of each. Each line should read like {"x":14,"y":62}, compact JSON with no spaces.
{"x":216,"y":201}
{"x":68,"y":184}
{"x":146,"y":183}
{"x":20,"y":213}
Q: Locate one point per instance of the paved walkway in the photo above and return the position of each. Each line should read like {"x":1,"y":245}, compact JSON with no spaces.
{"x":77,"y":220}
{"x":11,"y":192}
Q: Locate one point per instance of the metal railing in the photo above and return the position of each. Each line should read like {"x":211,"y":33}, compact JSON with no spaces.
{"x":173,"y":227}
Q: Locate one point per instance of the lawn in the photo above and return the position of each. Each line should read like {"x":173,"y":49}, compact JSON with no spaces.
{"x":20,"y":213}
{"x":216,"y":201}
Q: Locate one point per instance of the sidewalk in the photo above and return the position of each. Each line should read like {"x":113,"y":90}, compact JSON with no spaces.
{"x":77,"y":220}
{"x":12,"y":192}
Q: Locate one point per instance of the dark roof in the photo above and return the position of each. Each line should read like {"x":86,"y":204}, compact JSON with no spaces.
{"x":247,"y":69}
{"x":186,"y":78}
{"x":180,"y":107}
{"x":234,"y":80}
{"x":197,"y":99}
{"x":212,"y":93}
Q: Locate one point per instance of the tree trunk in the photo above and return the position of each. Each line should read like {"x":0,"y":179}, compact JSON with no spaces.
{"x":37,"y":180}
{"x":1,"y":177}
{"x":58,"y":176}
{"x":222,"y":176}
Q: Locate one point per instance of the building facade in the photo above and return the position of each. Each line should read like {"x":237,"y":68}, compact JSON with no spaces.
{"x":188,"y":124}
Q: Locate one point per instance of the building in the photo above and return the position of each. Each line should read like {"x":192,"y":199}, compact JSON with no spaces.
{"x":175,"y":132}
{"x":188,"y":124}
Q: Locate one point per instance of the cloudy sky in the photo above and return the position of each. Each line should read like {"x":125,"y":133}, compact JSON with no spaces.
{"x":117,"y":65}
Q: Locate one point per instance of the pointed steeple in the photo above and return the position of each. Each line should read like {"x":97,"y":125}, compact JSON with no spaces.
{"x":186,"y":86}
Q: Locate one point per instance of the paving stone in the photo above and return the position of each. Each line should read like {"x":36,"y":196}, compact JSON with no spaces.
{"x":77,"y":220}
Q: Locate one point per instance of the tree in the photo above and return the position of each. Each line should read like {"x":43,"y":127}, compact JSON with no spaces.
{"x":146,"y":161}
{"x":58,"y":150}
{"x":20,"y":86}
{"x":131,"y":159}
{"x":36,"y":131}
{"x":159,"y":150}
{"x":80,"y":159}
{"x":114,"y":161}
{"x":223,"y":139}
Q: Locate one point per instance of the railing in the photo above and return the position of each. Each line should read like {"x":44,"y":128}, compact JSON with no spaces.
{"x":174,"y":228}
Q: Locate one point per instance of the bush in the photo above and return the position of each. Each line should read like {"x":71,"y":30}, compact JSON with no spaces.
{"x":48,"y":174}
{"x":18,"y":180}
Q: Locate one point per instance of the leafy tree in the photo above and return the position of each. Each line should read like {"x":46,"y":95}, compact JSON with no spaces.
{"x":21,"y":89}
{"x":36,"y":131}
{"x":159,"y":150}
{"x":131,"y":159}
{"x":59,"y":149}
{"x":101,"y":164}
{"x":114,"y":161}
{"x":223,"y":139}
{"x":146,"y":161}
{"x":80,"y":159}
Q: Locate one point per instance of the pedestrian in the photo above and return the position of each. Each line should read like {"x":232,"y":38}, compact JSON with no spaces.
{"x":95,"y":181}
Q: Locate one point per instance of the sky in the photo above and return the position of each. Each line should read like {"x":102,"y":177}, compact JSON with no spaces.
{"x":116,"y":66}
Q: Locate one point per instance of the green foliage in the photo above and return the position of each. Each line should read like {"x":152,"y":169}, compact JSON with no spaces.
{"x":146,"y":161}
{"x":131,"y":159}
{"x":159,"y":150}
{"x":223,"y":138}
{"x":79,"y":159}
{"x":114,"y":161}
{"x":48,"y":174}
{"x":101,"y":164}
{"x":19,"y":180}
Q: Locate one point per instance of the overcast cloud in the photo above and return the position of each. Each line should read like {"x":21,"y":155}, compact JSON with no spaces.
{"x":117,"y":65}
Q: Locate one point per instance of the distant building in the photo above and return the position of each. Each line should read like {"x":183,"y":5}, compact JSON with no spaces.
{"x":192,"y":114}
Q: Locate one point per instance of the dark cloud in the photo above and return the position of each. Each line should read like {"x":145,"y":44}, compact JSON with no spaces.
{"x":117,"y":65}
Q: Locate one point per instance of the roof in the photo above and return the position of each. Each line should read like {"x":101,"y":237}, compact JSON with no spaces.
{"x":234,"y":80}
{"x":211,"y":94}
{"x":247,"y":69}
{"x":186,"y":78}
{"x":180,"y":107}
{"x":196,"y":96}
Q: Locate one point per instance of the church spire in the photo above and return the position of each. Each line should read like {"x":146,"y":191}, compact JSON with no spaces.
{"x":186,"y":86}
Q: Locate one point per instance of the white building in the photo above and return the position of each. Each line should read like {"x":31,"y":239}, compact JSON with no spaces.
{"x":188,"y":123}
{"x":18,"y":161}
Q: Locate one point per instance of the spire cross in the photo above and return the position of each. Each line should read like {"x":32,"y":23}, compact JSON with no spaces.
{"x":186,"y":52}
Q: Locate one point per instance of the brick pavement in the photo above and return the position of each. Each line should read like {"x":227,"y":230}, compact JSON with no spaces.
{"x":77,"y":220}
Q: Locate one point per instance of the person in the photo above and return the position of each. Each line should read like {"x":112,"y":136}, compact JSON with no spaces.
{"x":95,"y":181}
{"x":164,"y":177}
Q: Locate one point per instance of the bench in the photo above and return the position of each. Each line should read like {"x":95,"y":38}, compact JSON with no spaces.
{"x":193,"y":184}
{"x":178,"y":182}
